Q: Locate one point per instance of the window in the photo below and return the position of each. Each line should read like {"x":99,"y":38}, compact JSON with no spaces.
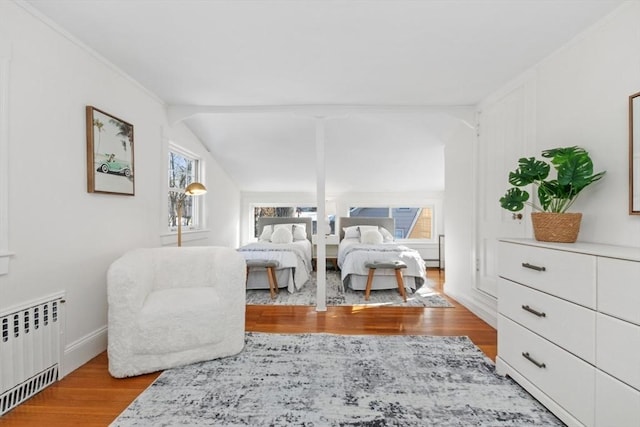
{"x":184,"y":168}
{"x":411,"y":223}
{"x":289,"y":212}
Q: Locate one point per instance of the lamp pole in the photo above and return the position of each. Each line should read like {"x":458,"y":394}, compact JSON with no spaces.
{"x":193,"y":189}
{"x":180,"y":200}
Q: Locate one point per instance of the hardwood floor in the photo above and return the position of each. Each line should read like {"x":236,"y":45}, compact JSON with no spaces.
{"x":90,"y":397}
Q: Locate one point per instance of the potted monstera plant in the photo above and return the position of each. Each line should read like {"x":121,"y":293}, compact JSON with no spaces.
{"x":573,"y":173}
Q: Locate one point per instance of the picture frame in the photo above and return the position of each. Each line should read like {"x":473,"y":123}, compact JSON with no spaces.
{"x":634,"y":154}
{"x":110,"y":154}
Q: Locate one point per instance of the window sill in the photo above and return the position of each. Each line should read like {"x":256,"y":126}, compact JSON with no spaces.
{"x":171,"y":238}
{"x":417,"y":242}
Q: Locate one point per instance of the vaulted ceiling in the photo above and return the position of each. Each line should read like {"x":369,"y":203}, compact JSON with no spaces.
{"x":386,"y":73}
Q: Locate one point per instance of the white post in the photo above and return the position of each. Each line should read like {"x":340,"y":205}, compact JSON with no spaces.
{"x":321,"y":261}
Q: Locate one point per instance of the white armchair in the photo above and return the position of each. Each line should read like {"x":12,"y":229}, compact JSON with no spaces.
{"x":174,"y":306}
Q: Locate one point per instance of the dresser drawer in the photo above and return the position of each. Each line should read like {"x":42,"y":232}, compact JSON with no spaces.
{"x":617,"y":404}
{"x":567,"y":380}
{"x":617,"y":349}
{"x":619,"y":288}
{"x":568,"y":325}
{"x":568,"y":275}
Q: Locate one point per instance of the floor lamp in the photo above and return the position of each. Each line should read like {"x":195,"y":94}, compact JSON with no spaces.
{"x":193,"y":189}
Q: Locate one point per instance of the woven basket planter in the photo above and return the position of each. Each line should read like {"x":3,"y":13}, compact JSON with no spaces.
{"x":556,"y":227}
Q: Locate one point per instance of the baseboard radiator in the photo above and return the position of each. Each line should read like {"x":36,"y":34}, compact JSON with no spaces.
{"x":30,"y":351}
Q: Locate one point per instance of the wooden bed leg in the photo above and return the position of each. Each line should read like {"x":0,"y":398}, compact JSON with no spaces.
{"x":400,"y":280}
{"x":367,"y":291}
{"x":275,"y":280}
{"x":273,"y":284}
{"x":269,"y":265}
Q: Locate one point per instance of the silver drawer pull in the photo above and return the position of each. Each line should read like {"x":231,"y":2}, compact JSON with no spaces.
{"x":533,"y":267}
{"x":532,"y":311}
{"x":534,"y":361}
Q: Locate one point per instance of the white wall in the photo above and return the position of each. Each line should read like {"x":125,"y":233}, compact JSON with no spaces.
{"x":581,"y":94}
{"x":63,"y":237}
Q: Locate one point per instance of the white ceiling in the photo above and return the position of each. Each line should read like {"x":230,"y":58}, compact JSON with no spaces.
{"x":381,"y":53}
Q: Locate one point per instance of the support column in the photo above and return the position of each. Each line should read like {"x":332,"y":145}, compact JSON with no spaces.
{"x":321,"y":261}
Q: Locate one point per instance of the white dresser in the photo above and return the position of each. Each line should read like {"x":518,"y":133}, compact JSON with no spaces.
{"x":569,"y":328}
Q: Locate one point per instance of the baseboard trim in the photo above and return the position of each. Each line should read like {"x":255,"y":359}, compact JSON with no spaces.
{"x":479,"y":308}
{"x":81,"y":351}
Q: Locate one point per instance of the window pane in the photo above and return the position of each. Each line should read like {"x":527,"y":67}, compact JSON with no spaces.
{"x":411,"y":223}
{"x":369,"y":212}
{"x":285,"y":212}
{"x":182,"y":172}
{"x":188,"y":216}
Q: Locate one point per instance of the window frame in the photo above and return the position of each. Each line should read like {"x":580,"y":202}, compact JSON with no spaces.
{"x":252,"y":209}
{"x":198,"y":204}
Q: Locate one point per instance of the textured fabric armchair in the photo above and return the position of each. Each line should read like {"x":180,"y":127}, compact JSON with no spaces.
{"x":174,"y":306}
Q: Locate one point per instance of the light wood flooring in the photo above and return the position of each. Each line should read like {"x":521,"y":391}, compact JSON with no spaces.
{"x":90,"y":397}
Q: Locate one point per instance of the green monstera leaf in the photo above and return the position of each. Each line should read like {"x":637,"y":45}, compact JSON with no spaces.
{"x":529,"y":171}
{"x":514,"y":200}
{"x":550,"y":192}
{"x":574,"y":172}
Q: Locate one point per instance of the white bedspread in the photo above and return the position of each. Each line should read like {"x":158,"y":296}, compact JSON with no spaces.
{"x":353,"y":255}
{"x":296,"y":255}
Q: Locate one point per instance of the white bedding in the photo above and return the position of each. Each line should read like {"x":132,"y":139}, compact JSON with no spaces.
{"x":294,"y":258}
{"x":353,"y":255}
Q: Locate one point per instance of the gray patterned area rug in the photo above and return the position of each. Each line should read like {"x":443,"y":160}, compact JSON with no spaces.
{"x":339,"y":380}
{"x":423,"y":297}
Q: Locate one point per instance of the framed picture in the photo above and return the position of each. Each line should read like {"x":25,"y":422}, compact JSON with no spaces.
{"x":110,"y":167}
{"x":634,"y":154}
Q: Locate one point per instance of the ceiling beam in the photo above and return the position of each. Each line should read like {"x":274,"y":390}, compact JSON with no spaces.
{"x":178,"y":113}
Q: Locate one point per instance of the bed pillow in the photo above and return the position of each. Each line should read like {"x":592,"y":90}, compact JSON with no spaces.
{"x":364,"y":228}
{"x":281,"y":235}
{"x":288,"y":226}
{"x":386,"y":235}
{"x":351,"y":232}
{"x":299,"y":232}
{"x":265,"y":236}
{"x":371,"y":237}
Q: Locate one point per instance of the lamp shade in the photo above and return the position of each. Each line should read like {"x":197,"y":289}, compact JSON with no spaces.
{"x":195,"y":189}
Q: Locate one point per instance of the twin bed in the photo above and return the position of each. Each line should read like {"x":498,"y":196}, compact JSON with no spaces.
{"x":362,"y":241}
{"x":359,"y":245}
{"x":293,"y":257}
